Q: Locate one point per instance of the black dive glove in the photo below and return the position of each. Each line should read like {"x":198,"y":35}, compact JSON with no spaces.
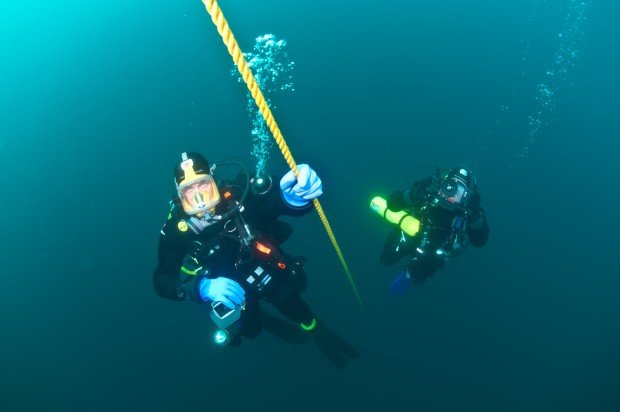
{"x":476,"y":219}
{"x":396,"y":201}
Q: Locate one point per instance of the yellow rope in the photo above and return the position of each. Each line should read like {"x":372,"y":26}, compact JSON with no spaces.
{"x":233,"y":48}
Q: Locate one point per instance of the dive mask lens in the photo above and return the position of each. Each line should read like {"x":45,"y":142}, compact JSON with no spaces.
{"x":199,"y":195}
{"x":453,"y":191}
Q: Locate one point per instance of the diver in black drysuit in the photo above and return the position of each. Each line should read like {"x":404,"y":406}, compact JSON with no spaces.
{"x":448,"y":208}
{"x":196,"y":251}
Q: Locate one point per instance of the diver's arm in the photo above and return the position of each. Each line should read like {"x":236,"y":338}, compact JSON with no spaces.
{"x":268,"y":203}
{"x":166,"y":277}
{"x":406,"y":199}
{"x":477,"y":226}
{"x":397,"y":201}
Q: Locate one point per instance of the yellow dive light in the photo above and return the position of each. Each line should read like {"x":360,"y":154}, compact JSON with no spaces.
{"x":407,"y":223}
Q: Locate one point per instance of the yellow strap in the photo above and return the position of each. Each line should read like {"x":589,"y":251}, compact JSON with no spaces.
{"x":308,"y":327}
{"x":233,"y":48}
{"x":189,"y":272}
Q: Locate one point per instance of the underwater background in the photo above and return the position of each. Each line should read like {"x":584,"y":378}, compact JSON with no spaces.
{"x":99,"y":98}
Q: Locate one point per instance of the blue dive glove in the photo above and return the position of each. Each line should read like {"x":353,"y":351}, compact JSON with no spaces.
{"x":224,"y":290}
{"x":299,"y":191}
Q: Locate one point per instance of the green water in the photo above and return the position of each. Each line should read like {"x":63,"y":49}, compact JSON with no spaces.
{"x":97,"y":100}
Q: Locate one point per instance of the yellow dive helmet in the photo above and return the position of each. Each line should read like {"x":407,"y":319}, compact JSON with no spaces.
{"x":195,"y":185}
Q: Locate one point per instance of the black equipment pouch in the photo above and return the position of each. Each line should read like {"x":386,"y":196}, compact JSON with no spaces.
{"x":271,"y":273}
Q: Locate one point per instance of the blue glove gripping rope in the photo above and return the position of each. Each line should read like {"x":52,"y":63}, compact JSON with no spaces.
{"x":299,"y":191}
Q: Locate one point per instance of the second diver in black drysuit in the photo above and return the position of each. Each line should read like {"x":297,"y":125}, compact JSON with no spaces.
{"x":447,"y":206}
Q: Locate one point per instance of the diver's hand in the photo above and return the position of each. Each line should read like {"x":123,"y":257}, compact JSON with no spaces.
{"x":224,"y":290}
{"x":396,"y":201}
{"x":299,"y":191}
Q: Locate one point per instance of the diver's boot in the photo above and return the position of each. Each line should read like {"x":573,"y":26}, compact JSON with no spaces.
{"x":336,"y":349}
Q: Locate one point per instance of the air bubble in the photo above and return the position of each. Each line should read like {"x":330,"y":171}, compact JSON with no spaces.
{"x":273,"y":70}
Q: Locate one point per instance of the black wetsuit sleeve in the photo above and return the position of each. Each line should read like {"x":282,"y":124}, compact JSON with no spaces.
{"x":271,"y":205}
{"x":167,"y":274}
{"x":412,"y":197}
{"x":397,"y":201}
{"x":477,"y":228}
